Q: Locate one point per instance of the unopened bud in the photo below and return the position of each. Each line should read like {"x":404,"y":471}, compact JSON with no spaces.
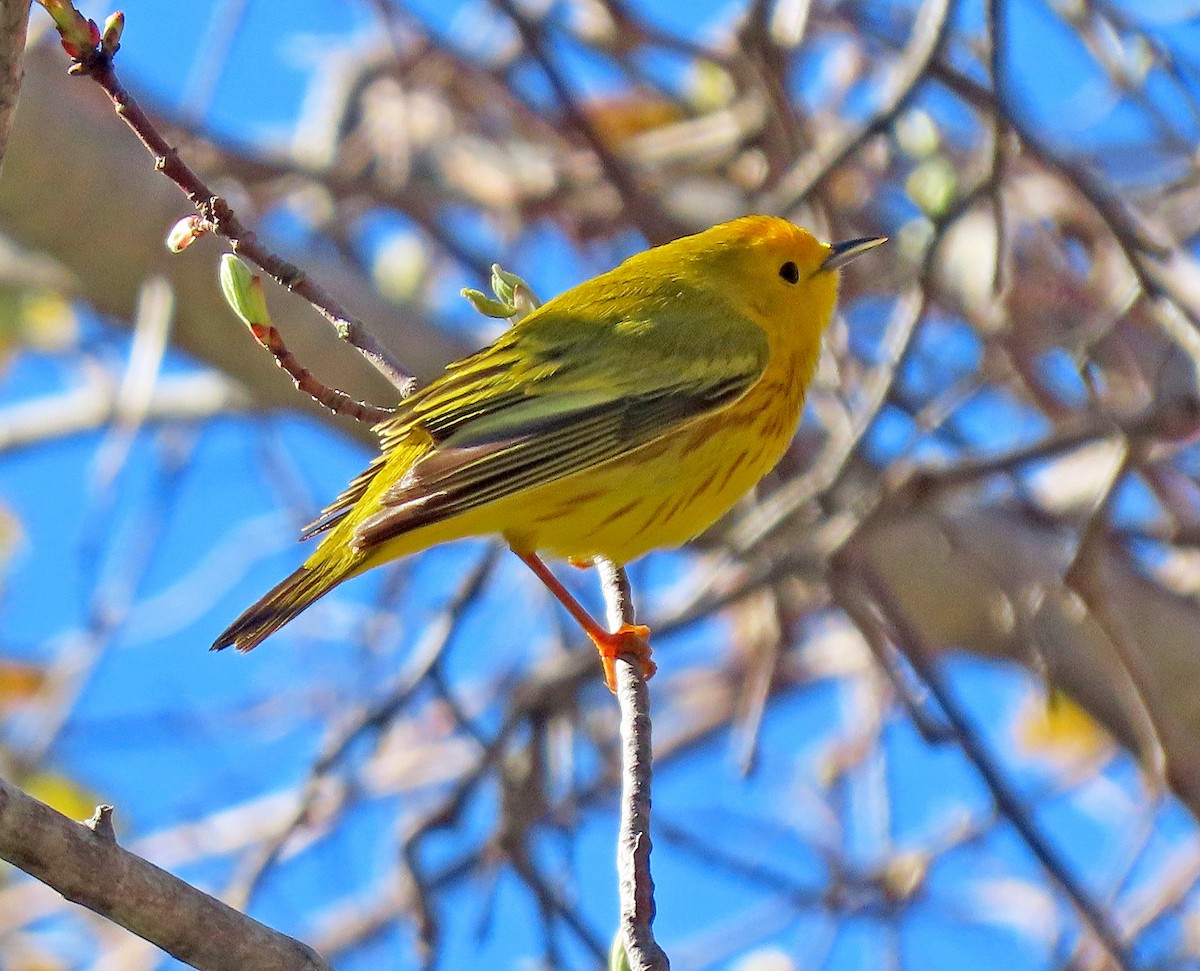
{"x":513,"y":292}
{"x":524,"y":299}
{"x":78,"y":35}
{"x":114,"y":27}
{"x":618,"y":960}
{"x":243,"y":291}
{"x":486,"y":305}
{"x":504,"y":283}
{"x":185,"y":232}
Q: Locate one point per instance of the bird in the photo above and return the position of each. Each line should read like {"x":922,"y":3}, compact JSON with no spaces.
{"x":627,"y":414}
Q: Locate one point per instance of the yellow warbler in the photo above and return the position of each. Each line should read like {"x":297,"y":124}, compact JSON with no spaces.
{"x":625,"y":415}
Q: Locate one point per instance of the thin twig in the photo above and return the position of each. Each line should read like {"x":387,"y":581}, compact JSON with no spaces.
{"x":438,"y":635}
{"x":1084,"y":576}
{"x":633,"y":844}
{"x":221,"y":218}
{"x":915,"y":701}
{"x":998,"y":30}
{"x":338,"y":402}
{"x":644,"y":210}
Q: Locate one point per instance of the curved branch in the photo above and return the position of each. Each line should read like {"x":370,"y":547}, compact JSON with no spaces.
{"x":928,"y":35}
{"x":224,"y":221}
{"x":867,"y":601}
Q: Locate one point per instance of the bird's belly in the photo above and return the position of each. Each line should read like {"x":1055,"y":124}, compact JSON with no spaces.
{"x":661,"y":495}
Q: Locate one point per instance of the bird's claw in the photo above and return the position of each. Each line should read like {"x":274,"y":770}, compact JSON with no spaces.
{"x":632,"y":642}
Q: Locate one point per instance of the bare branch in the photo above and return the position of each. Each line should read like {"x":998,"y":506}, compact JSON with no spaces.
{"x":855,"y":577}
{"x":928,"y":34}
{"x":92,"y":406}
{"x":656,"y":225}
{"x":633,"y":844}
{"x":218,"y":214}
{"x":84,"y":863}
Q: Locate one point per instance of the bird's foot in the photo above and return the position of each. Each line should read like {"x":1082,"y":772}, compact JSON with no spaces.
{"x":631,"y":641}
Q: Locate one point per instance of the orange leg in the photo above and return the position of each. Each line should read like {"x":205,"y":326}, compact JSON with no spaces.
{"x":631,"y":639}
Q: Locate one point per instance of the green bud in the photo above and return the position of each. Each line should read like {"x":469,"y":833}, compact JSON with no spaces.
{"x":486,"y":305}
{"x":503,"y":283}
{"x":511,"y":290}
{"x":110,"y":39}
{"x":933,"y":185}
{"x":917,"y":134}
{"x":514,"y":297}
{"x":243,"y":291}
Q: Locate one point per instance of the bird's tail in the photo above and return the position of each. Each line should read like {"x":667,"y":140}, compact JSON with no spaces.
{"x":278,"y":606}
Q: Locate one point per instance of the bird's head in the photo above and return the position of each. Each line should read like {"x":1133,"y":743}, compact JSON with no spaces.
{"x":787,"y":278}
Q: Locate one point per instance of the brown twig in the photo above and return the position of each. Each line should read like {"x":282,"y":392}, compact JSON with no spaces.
{"x":1084,"y":576}
{"x":376,"y":717}
{"x":84,"y":863}
{"x":338,"y":402}
{"x":633,"y":844}
{"x":218,"y":215}
{"x":997,"y":66}
{"x":916,"y":702}
{"x":1142,"y":242}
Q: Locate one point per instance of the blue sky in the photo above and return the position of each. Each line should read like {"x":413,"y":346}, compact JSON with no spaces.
{"x":201,"y":519}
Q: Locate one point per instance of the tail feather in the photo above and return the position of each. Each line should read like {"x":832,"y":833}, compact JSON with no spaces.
{"x":278,"y":606}
{"x":338,"y":557}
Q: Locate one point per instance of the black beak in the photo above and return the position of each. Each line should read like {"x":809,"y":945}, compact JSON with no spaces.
{"x":842,"y":253}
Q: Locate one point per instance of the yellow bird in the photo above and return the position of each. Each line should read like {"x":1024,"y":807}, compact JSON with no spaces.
{"x":625,"y":415}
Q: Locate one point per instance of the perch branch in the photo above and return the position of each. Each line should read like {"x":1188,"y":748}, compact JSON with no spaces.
{"x":633,"y":844}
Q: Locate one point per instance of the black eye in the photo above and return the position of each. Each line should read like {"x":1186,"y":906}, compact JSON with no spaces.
{"x":790,"y":272}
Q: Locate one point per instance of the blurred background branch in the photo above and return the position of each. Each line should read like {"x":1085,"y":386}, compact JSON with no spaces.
{"x":425,"y":770}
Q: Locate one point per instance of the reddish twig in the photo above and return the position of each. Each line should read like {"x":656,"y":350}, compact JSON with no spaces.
{"x":217,"y":215}
{"x":336,"y":401}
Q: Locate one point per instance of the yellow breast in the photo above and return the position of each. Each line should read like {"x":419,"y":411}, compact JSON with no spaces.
{"x":667,"y":492}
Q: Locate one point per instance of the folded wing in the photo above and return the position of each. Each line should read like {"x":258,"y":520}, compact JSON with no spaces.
{"x":556,"y":395}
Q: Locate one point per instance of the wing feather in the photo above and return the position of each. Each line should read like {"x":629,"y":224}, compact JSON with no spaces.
{"x":575,"y":384}
{"x":455,"y":479}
